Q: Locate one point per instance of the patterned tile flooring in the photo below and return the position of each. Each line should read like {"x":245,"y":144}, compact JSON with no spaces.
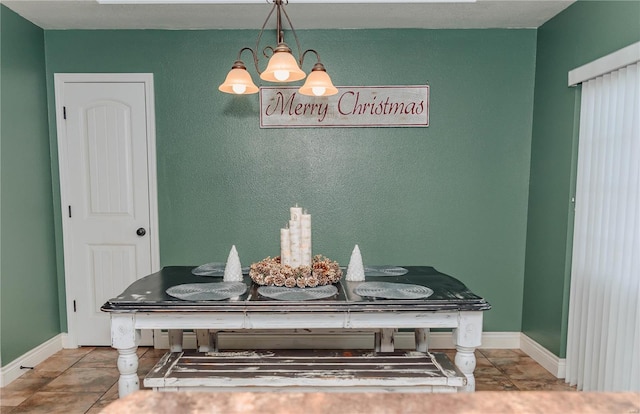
{"x":85,"y":380}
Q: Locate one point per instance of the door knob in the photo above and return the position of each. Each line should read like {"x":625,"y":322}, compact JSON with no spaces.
{"x":141,"y":231}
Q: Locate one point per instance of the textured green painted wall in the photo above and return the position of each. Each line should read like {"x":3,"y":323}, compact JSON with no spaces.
{"x":584,"y":32}
{"x":453,"y":195}
{"x":29,"y":296}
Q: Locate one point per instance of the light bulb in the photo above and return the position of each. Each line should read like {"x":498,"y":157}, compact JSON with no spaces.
{"x":239,"y":88}
{"x":281,"y":75}
{"x":318,"y":90}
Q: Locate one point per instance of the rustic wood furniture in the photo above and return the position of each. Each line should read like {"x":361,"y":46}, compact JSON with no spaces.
{"x":305,"y":371}
{"x":145,"y":305}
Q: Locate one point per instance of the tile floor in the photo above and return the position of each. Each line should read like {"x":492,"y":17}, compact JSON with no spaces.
{"x":85,"y":380}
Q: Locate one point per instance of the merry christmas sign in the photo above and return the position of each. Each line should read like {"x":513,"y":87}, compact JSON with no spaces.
{"x":352,"y":106}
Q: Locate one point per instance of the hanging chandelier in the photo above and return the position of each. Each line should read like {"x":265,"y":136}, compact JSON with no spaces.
{"x":282,"y":65}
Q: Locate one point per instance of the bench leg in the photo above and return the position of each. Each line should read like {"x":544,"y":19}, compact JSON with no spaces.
{"x":175,"y":340}
{"x":384,"y":340}
{"x":213,"y":341}
{"x":207,"y":340}
{"x":422,"y":339}
{"x":202,"y":340}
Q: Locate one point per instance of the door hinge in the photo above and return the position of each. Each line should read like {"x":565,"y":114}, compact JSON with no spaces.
{"x":64,"y":112}
{"x":69,"y":211}
{"x":74,"y":305}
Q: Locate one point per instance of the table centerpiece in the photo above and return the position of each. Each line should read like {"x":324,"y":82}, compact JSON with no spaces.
{"x":296,"y":267}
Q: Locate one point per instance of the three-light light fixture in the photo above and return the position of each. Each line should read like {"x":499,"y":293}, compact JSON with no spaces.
{"x":282,"y":65}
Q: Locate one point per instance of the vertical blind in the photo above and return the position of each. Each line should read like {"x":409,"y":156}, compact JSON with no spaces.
{"x":603,"y":349}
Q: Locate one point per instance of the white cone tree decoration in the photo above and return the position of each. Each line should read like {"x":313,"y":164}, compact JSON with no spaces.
{"x":355,"y":271}
{"x":233,"y":269}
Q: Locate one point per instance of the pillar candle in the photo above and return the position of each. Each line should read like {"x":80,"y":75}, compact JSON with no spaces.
{"x":305,"y":239}
{"x":296,"y":213}
{"x":285,"y":247}
{"x":294,"y":236}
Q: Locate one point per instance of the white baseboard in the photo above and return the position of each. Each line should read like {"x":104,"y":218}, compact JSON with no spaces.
{"x":544,"y":357}
{"x":12,"y":370}
{"x":345,"y":340}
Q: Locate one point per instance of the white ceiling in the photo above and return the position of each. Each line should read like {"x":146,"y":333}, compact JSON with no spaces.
{"x":305,"y":14}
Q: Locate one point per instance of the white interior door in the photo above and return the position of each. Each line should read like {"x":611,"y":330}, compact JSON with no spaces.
{"x":110,"y":232}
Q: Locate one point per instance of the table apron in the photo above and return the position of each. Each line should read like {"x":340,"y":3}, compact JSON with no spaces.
{"x":180,"y":320}
{"x":292,"y":320}
{"x":404,"y":320}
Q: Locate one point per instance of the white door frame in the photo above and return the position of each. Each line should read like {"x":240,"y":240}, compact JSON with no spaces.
{"x":59,"y":80}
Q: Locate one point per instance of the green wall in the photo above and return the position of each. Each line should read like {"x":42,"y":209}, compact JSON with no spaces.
{"x":29,"y":293}
{"x":582,"y":33}
{"x":453,"y":195}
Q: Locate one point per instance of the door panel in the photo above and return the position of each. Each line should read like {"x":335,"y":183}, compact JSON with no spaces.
{"x":111,"y":267}
{"x":109,"y":158}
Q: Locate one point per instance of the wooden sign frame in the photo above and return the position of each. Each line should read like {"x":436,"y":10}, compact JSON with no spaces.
{"x":351,"y":107}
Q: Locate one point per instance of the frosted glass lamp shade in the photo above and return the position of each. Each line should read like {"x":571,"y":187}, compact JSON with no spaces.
{"x":282,"y":67}
{"x":318,"y":84}
{"x":238,"y":81}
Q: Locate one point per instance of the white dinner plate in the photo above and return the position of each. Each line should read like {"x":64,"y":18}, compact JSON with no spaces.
{"x":207,"y":291}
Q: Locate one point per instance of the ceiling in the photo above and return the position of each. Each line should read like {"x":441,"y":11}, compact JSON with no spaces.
{"x":305,"y":14}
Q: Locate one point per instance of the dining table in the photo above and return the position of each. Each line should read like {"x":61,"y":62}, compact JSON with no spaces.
{"x":391,"y":298}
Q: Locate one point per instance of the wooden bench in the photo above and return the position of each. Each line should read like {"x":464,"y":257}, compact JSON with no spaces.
{"x":305,"y":371}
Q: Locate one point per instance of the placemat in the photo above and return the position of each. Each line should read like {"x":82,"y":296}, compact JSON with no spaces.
{"x":295,"y":293}
{"x":215,"y":269}
{"x":386,"y":290}
{"x":207,"y":291}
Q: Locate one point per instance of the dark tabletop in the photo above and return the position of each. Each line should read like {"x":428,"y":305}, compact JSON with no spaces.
{"x":149,"y":295}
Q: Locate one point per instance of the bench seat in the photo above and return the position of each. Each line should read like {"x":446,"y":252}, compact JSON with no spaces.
{"x":305,"y":371}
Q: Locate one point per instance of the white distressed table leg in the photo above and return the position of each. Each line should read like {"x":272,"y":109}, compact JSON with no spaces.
{"x":467,"y":337}
{"x":422,"y":339}
{"x":384,"y":340}
{"x":466,"y":361}
{"x":125,"y":338}
{"x":175,"y":340}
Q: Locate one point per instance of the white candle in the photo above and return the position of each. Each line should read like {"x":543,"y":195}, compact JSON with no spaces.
{"x":285,"y":246}
{"x":285,"y":257}
{"x":296,"y":213}
{"x":305,"y":239}
{"x":294,"y":236}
